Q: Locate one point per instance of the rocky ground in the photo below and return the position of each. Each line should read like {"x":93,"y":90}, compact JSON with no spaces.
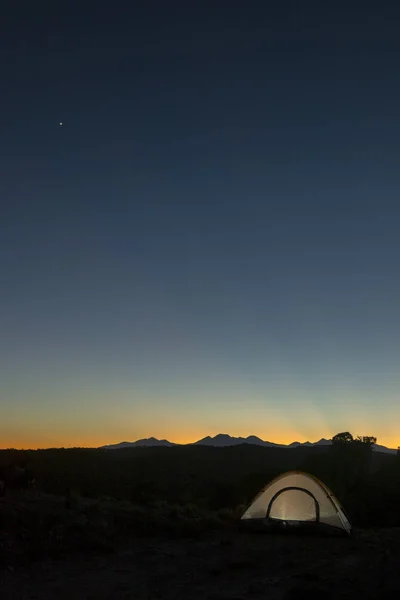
{"x":218,"y":565}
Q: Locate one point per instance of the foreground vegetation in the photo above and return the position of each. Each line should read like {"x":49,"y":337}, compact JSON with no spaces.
{"x":34,"y":526}
{"x":92,"y":556}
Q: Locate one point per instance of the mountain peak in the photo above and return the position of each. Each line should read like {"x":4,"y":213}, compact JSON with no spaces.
{"x":221,"y":439}
{"x":151,"y":441}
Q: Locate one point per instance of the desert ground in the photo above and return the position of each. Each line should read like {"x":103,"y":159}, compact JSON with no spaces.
{"x":39,"y":560}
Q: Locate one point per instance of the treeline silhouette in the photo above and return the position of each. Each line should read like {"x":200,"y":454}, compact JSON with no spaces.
{"x":367,"y":483}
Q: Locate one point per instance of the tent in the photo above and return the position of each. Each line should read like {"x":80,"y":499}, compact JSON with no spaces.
{"x":297,"y":498}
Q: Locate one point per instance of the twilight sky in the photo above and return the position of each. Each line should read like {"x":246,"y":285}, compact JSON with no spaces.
{"x":210,"y":242}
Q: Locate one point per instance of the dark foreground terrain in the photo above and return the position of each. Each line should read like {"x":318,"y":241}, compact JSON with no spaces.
{"x":148,"y":523}
{"x":113,"y":550}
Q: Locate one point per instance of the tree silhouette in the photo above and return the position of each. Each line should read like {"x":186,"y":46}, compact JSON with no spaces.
{"x":346,"y":438}
{"x":342,"y":438}
{"x":351,"y":461}
{"x":368,"y":440}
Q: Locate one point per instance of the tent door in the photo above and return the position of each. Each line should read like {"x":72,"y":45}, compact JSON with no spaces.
{"x":293,"y":504}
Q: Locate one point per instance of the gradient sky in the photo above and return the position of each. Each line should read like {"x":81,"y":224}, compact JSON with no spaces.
{"x":210,"y":243}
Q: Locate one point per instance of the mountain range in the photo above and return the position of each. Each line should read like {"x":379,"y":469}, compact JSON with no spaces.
{"x":223,"y":440}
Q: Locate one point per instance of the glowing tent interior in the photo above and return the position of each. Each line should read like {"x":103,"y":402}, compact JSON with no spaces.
{"x":297,"y":498}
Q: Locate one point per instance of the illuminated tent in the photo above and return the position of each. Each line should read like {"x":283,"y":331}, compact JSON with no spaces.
{"x":296,"y":498}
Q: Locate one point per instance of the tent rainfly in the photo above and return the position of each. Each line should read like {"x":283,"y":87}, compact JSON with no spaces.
{"x":297,"y":498}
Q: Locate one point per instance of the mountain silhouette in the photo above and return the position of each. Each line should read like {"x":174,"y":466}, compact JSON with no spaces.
{"x":144,"y":442}
{"x":222,"y":440}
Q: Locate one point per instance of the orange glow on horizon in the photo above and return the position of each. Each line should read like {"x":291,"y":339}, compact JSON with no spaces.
{"x":71,"y":441}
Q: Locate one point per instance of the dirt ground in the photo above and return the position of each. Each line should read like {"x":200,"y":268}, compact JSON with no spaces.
{"x":226,"y":566}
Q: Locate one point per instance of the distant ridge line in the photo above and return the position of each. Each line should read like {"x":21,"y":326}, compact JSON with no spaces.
{"x":223,"y":440}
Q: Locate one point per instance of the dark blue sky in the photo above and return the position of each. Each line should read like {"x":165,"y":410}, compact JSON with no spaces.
{"x":210,"y":241}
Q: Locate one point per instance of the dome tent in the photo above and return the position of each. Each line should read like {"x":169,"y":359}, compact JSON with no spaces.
{"x":297,"y":498}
